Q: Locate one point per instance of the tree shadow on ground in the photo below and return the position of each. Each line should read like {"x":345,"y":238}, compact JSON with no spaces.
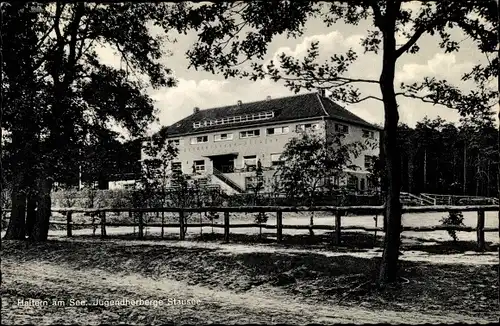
{"x":424,"y":286}
{"x":451,"y":247}
{"x":349,"y":240}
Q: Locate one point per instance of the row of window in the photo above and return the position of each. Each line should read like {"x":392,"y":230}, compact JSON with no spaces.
{"x":253,"y":133}
{"x":339,"y":128}
{"x":251,"y":161}
{"x":248,"y":161}
{"x":235,"y":119}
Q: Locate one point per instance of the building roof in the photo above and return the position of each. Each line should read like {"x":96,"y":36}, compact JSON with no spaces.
{"x":297,"y":107}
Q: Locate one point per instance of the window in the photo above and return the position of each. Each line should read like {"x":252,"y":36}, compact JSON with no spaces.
{"x":250,"y":162}
{"x":199,"y":140}
{"x":199,"y":165}
{"x":278,"y":131}
{"x":175,"y":142}
{"x":235,"y":119}
{"x":276,"y":160}
{"x":307,"y":127}
{"x":369,"y":161}
{"x":250,"y":133}
{"x":368,"y":134}
{"x":340,"y":128}
{"x":177,"y":167}
{"x":223,"y":137}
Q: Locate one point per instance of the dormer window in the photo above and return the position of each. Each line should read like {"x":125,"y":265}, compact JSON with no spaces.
{"x":235,"y":119}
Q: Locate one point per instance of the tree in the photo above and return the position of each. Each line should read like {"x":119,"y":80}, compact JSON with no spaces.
{"x":157,"y":172}
{"x":257,"y":186}
{"x":231,"y":34}
{"x":57,"y":92}
{"x":448,"y":158}
{"x":312,"y":162}
{"x":258,"y":183}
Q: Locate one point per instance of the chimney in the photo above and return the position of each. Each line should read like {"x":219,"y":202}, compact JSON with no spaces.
{"x":239,"y":102}
{"x":196,"y":110}
{"x":268,"y":97}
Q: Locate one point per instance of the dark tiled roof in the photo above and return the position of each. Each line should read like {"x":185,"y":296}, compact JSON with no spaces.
{"x":336,"y":111}
{"x":295,"y":107}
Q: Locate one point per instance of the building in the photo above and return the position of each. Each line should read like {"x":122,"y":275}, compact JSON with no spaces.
{"x":223,"y":145}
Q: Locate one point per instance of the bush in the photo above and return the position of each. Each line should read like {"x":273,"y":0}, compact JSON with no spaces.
{"x":261,"y":218}
{"x":454,"y":219}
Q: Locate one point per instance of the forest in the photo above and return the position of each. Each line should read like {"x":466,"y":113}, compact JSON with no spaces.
{"x":440,"y":157}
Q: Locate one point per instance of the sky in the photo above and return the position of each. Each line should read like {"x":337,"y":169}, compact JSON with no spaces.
{"x":205,"y":90}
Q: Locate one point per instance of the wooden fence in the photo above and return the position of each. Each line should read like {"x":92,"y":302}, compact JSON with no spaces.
{"x":336,"y":226}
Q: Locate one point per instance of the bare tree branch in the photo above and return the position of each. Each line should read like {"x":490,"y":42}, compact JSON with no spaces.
{"x":370,"y":97}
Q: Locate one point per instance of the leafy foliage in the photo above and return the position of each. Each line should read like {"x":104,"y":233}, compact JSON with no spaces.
{"x":59,"y":97}
{"x":454,"y":219}
{"x":444,"y":158}
{"x":312,"y":162}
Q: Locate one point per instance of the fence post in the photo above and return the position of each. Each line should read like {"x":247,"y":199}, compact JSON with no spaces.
{"x":68,"y":224}
{"x":338,"y":225}
{"x":226,"y":227}
{"x":182,"y":235}
{"x":103,"y":224}
{"x":279,"y":226}
{"x":480,"y":230}
{"x":141,"y":225}
{"x":131,"y":217}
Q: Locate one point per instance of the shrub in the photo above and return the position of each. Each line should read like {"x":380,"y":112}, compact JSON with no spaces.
{"x":454,"y":219}
{"x":261,"y":218}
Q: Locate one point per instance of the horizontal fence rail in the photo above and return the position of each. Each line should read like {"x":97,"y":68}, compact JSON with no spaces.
{"x":336,"y":227}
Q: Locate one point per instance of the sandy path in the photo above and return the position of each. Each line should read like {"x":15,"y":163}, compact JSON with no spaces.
{"x":219,"y":305}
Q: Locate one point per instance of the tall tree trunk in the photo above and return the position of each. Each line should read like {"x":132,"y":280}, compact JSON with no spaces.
{"x":41,"y":225}
{"x":465,"y":169}
{"x":455,"y":192}
{"x":30,"y":215}
{"x":389,"y":266}
{"x":410,"y":171}
{"x":425,"y":170}
{"x":478,"y":175}
{"x":16,"y":229}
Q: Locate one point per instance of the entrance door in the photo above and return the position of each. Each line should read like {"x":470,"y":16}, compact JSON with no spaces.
{"x":224,"y":163}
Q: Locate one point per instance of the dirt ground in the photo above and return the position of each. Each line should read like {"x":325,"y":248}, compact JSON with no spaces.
{"x":232,"y":283}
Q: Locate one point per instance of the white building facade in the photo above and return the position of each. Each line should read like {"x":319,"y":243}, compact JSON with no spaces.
{"x":223,"y":145}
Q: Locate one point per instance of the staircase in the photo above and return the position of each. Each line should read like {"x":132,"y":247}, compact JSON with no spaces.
{"x":428,"y":199}
{"x":411,"y":199}
{"x":221,"y":177}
